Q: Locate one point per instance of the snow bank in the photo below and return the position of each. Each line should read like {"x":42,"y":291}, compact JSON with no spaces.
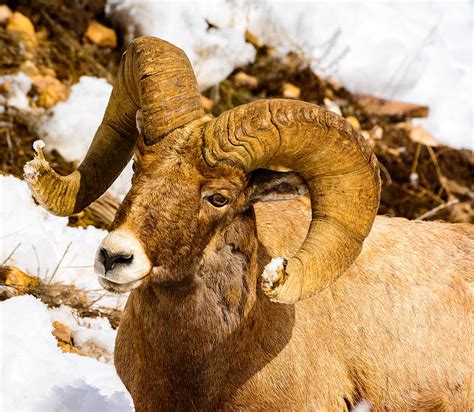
{"x":73,"y":123}
{"x":45,"y":244}
{"x":412,"y":51}
{"x":56,"y":381}
{"x":213,"y":52}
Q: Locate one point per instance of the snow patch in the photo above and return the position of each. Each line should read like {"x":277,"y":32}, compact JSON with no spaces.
{"x":19,"y":86}
{"x":57,"y":381}
{"x":38,"y":144}
{"x":73,"y":122}
{"x":273,"y":272}
{"x":46,"y":245}
{"x":362,"y":406}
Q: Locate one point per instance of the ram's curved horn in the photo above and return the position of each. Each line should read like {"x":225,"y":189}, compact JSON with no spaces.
{"x":153,"y":75}
{"x":340,"y":171}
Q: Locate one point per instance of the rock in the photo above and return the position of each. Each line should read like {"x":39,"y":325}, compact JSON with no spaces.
{"x":207,"y":103}
{"x":29,"y":68}
{"x":67,"y":348}
{"x":18,"y":280}
{"x":290,"y":91}
{"x":100,"y":35}
{"x":253,"y":39}
{"x":390,"y":108}
{"x":5,"y":88}
{"x":62,"y":332}
{"x":376,"y":132}
{"x":331,"y":106}
{"x":5,"y":14}
{"x":420,"y":135}
{"x":49,"y":89}
{"x":21,"y":24}
{"x":354,"y":122}
{"x":242,"y":79}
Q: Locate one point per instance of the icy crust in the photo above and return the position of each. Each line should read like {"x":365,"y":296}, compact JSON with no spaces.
{"x":273,"y":273}
{"x":56,"y":381}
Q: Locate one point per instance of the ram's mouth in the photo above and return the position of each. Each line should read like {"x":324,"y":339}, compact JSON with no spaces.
{"x":116,"y":287}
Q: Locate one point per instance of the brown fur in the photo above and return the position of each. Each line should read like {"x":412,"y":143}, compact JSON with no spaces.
{"x":200,"y":335}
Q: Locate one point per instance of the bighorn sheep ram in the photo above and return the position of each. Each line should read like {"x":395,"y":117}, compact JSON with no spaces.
{"x":212,"y":322}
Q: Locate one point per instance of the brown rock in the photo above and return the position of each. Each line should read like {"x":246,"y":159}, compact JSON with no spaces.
{"x":68,"y":348}
{"x":390,"y":108}
{"x":290,"y":91}
{"x":420,"y":135}
{"x":206,"y":103}
{"x":353,"y":121}
{"x":18,"y":280}
{"x":242,"y":79}
{"x":332,"y":106}
{"x":5,"y":14}
{"x":21,"y":24}
{"x":62,"y":332}
{"x":29,"y":68}
{"x":5,"y":88}
{"x":100,"y":35}
{"x":50,"y":90}
{"x":253,"y":39}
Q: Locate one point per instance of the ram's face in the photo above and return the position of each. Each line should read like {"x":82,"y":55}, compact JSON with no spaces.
{"x":176,"y":205}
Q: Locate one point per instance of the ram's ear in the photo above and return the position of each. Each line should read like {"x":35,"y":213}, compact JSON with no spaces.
{"x":268,"y":186}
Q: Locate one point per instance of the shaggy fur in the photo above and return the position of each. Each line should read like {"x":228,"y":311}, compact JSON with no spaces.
{"x":199,"y":334}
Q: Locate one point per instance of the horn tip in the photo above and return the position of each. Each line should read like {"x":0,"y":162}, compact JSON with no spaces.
{"x":55,"y":193}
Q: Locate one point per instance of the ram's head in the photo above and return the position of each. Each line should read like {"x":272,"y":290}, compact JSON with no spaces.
{"x":194,"y":175}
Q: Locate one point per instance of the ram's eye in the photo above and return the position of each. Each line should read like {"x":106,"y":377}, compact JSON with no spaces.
{"x":217,"y":200}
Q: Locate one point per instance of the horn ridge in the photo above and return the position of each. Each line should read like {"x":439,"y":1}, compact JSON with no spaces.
{"x":339,"y":168}
{"x":153,"y":76}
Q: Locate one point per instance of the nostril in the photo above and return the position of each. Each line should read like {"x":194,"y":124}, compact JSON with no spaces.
{"x":110,"y":260}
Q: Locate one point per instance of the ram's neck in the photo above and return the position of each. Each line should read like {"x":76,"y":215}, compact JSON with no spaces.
{"x":196,"y":344}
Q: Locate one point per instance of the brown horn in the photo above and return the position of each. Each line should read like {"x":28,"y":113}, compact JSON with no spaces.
{"x":340,"y":171}
{"x":153,"y":75}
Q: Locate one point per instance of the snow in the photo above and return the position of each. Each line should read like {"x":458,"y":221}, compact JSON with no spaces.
{"x":46,"y":246}
{"x":213,"y":52}
{"x":412,"y":51}
{"x":19,"y":86}
{"x":38,"y":144}
{"x":273,"y":272}
{"x":56,"y":381}
{"x":363,"y":406}
{"x":94,"y":336}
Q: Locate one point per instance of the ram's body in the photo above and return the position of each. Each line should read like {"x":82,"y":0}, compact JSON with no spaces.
{"x":211,"y":324}
{"x":393,"y":330}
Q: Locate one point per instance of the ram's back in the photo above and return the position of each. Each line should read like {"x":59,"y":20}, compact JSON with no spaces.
{"x":397,"y":326}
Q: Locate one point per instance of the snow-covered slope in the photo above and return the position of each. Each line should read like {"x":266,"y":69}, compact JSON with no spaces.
{"x":410,"y":50}
{"x":36,"y":376}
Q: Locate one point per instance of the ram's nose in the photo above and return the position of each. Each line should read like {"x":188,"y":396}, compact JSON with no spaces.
{"x":121,"y":260}
{"x":110,"y":260}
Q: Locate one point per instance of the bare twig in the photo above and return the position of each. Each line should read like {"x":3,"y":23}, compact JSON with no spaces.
{"x":437,"y":209}
{"x":59,"y":263}
{"x":11,"y":254}
{"x":386,"y":174}
{"x":38,"y":267}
